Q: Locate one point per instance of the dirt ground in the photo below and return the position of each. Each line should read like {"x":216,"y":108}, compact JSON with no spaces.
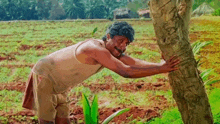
{"x":136,"y":112}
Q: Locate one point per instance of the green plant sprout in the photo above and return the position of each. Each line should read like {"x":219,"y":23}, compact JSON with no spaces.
{"x":196,"y":47}
{"x":205,"y":74}
{"x":94,"y":30}
{"x":91,"y":112}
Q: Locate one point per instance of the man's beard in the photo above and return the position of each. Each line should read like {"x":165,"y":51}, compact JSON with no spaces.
{"x":119,"y":50}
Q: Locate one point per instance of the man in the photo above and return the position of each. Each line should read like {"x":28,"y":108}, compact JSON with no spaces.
{"x":55,"y":74}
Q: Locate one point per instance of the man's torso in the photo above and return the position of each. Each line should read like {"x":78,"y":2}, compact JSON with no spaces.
{"x":68,"y":67}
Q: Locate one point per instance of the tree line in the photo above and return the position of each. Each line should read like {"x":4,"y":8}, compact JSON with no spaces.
{"x":72,"y":9}
{"x":58,"y":9}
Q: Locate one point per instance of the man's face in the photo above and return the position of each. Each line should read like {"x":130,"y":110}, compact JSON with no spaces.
{"x":117,"y":45}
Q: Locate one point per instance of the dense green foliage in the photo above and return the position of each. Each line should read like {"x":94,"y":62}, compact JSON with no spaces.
{"x":44,"y":9}
{"x":74,"y":9}
{"x":217,"y":12}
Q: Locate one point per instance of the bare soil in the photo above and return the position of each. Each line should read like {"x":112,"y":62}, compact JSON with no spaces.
{"x":27,"y":47}
{"x":76,"y":113}
{"x":130,"y":87}
{"x":140,"y":113}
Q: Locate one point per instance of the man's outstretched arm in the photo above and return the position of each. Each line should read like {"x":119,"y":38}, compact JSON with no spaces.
{"x":104,"y":57}
{"x":137,"y":62}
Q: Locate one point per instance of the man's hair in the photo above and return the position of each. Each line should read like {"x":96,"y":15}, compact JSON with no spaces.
{"x":121,"y":29}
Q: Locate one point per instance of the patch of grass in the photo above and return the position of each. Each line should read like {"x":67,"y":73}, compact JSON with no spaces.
{"x":118,"y":97}
{"x":143,"y":53}
{"x":78,"y":90}
{"x":173,"y":116}
{"x":169,"y":117}
{"x":81,"y":89}
{"x":4,"y":74}
{"x":28,"y":58}
{"x":214,"y":99}
{"x":10,"y":100}
{"x":20,"y":74}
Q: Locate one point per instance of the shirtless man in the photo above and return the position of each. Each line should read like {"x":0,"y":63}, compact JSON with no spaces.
{"x":53,"y":76}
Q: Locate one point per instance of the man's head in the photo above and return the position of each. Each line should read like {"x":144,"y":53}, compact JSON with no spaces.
{"x":117,"y":37}
{"x":120,"y":29}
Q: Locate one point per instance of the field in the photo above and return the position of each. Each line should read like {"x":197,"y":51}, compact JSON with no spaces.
{"x":150,"y":99}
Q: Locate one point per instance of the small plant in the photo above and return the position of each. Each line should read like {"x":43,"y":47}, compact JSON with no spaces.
{"x":205,"y":74}
{"x":217,"y":12}
{"x":91,"y":112}
{"x":94,"y":30}
{"x":198,"y":45}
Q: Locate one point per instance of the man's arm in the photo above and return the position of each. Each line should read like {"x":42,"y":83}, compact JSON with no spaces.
{"x":104,"y":57}
{"x":137,"y":62}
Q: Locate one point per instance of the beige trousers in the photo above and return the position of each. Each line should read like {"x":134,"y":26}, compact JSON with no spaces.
{"x":47,"y":104}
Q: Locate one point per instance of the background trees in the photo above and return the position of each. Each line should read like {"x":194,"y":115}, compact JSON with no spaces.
{"x":73,"y":9}
{"x":95,"y":9}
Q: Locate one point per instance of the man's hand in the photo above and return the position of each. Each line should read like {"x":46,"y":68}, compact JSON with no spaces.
{"x":169,"y":65}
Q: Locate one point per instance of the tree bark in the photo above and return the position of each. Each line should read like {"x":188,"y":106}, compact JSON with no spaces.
{"x":171,"y":23}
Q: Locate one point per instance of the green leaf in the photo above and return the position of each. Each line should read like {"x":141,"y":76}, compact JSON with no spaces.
{"x":94,"y":110}
{"x":211,"y":82}
{"x":94,"y":30}
{"x":86,"y":109}
{"x":204,"y":75}
{"x":198,"y":45}
{"x":119,"y":112}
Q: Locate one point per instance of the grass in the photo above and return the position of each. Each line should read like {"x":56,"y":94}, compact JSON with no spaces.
{"x":53,"y":36}
{"x":4,"y":74}
{"x":20,"y":74}
{"x":173,"y":116}
{"x":10,"y":100}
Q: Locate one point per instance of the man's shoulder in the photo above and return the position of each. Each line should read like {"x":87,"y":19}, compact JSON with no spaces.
{"x":93,"y":44}
{"x":89,"y":50}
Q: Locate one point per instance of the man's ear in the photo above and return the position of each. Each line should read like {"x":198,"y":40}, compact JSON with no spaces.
{"x":108,"y":36}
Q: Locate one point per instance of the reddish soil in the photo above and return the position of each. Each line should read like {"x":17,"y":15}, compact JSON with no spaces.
{"x":27,"y":47}
{"x":2,"y":58}
{"x":68,"y":43}
{"x":8,"y":57}
{"x":159,"y":103}
{"x":18,"y":66}
{"x":135,"y":112}
{"x":130,"y":87}
{"x":145,"y":113}
{"x":18,"y":86}
{"x":161,"y":84}
{"x":194,"y":36}
{"x":54,"y":43}
{"x":5,"y":35}
{"x":95,"y":87}
{"x":150,"y":46}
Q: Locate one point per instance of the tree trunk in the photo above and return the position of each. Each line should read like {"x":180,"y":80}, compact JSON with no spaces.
{"x":171,"y":23}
